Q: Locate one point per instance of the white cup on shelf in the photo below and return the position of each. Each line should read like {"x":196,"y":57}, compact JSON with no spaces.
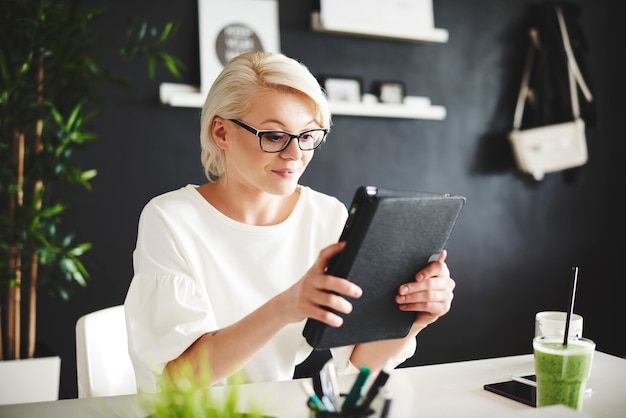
{"x":552,"y":324}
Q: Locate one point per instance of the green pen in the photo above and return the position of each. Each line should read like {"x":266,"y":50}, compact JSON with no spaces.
{"x":313,"y":398}
{"x":355,"y":392}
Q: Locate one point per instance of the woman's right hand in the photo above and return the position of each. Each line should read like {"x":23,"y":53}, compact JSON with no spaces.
{"x":317,"y":292}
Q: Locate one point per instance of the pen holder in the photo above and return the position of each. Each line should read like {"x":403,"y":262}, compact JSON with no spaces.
{"x":353,"y":413}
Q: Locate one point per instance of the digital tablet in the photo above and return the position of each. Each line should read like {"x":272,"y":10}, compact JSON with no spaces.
{"x":390,"y":235}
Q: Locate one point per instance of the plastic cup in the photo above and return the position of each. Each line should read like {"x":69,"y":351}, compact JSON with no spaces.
{"x":552,"y":323}
{"x":562,"y":370}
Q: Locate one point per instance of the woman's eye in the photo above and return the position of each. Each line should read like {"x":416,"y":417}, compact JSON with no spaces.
{"x":274,"y":136}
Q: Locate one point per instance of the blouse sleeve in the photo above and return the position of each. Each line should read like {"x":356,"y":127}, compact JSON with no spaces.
{"x":166,"y":311}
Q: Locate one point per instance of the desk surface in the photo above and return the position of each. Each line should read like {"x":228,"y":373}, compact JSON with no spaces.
{"x":443,"y":390}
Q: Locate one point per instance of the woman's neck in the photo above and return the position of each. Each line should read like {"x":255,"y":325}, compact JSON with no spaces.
{"x":248,"y":206}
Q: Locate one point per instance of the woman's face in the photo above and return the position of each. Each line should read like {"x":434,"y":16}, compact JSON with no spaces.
{"x":248,"y":165}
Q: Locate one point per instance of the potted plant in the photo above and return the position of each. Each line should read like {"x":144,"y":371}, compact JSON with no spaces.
{"x":49,"y":73}
{"x":184,"y":396}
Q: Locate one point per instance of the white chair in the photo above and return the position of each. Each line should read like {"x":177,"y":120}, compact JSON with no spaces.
{"x":103,"y":366}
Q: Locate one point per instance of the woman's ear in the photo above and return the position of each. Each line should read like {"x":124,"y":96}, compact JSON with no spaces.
{"x":219,"y":131}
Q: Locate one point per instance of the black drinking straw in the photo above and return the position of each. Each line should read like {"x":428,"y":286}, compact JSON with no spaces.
{"x":571,"y":306}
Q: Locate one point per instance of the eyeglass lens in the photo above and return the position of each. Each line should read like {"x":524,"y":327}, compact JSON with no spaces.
{"x":274,"y":141}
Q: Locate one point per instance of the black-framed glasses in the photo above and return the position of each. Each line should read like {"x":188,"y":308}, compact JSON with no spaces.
{"x":277,"y":141}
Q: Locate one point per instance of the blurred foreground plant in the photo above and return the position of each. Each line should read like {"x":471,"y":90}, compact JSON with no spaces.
{"x":182,"y":396}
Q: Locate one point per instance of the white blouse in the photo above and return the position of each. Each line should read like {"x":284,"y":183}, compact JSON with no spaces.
{"x":196,"y":270}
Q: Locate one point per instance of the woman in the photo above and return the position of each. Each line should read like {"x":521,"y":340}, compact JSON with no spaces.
{"x":226,"y":273}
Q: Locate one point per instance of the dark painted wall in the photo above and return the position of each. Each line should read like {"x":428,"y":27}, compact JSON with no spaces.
{"x":514,"y":246}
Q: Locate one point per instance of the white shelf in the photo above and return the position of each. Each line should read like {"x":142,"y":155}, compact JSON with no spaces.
{"x":433,"y":35}
{"x":412,"y":108}
{"x":184,"y":95}
{"x":181,"y":95}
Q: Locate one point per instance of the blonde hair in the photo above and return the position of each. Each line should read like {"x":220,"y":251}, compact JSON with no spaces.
{"x":243,"y":77}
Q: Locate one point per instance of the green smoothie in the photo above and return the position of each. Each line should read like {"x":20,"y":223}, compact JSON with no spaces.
{"x":562,"y":370}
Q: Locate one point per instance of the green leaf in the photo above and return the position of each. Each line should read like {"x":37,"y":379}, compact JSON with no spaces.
{"x":151,"y":67}
{"x":62,"y":294}
{"x":171,"y":63}
{"x":71,"y":268}
{"x":167,"y":30}
{"x":143,"y":29}
{"x":73,"y":119}
{"x":80,"y":249}
{"x":52,"y":211}
{"x":56,"y":115}
{"x":88,"y":175}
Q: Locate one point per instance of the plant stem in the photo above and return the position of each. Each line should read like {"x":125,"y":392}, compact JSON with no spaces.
{"x":14,"y":303}
{"x":15,"y":263}
{"x":34,"y":262}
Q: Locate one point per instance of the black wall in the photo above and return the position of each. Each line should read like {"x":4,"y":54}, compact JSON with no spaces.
{"x":513,"y":248}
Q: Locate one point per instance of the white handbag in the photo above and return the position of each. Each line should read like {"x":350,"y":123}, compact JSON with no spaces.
{"x":553,"y":147}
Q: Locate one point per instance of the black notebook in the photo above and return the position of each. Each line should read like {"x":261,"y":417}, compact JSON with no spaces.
{"x":390,"y":235}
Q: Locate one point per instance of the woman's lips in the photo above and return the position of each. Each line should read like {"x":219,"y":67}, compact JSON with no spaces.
{"x":286,"y":172}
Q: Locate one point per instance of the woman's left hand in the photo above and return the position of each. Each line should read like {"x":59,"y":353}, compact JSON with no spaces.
{"x":430,"y":294}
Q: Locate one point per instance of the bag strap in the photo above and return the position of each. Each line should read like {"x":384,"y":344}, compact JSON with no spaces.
{"x":573,"y":93}
{"x":573,"y":72}
{"x":523,"y":91}
{"x":571,"y":60}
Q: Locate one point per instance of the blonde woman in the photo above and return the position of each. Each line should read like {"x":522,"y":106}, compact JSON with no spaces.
{"x":227,"y":272}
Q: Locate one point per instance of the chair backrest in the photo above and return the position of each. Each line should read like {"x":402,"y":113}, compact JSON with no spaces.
{"x":103,"y":366}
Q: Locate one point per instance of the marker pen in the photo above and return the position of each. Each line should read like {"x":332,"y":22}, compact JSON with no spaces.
{"x":355,"y":392}
{"x":330,"y":384}
{"x":384,"y":413}
{"x":374,"y":389}
{"x":313,"y":398}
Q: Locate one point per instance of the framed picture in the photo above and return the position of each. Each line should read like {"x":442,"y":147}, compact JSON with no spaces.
{"x":389,"y":91}
{"x":342,"y":89}
{"x":231,"y":27}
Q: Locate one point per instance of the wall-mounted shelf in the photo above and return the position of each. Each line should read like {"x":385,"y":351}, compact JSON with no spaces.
{"x":412,"y":108}
{"x":184,"y":95}
{"x":430,"y":35}
{"x":181,"y":95}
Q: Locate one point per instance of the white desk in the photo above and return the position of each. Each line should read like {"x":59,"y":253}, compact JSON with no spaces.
{"x":444,"y":390}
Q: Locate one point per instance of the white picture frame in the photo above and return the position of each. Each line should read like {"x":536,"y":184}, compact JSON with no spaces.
{"x":342,"y":89}
{"x":230,"y":27}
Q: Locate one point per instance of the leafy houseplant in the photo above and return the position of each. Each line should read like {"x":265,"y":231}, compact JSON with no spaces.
{"x":48,"y":77}
{"x":184,"y":396}
{"x":183,"y":393}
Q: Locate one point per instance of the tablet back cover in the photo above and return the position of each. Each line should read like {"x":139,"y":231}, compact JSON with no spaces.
{"x":390,"y":235}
